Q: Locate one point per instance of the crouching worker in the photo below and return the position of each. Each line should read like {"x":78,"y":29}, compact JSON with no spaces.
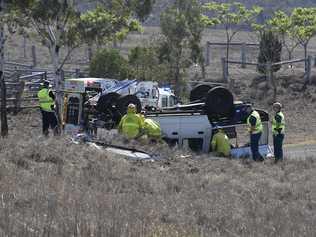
{"x":220,"y":143}
{"x":47,"y":105}
{"x":152,"y":130}
{"x":131,"y":125}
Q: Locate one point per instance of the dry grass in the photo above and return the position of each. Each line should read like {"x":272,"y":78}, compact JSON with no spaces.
{"x":50,"y":187}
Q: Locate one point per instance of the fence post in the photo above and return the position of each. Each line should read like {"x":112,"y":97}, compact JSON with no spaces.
{"x":225,"y":69}
{"x":24,"y":46}
{"x":309,"y":69}
{"x":89,"y":54}
{"x":243,"y":55}
{"x":315,"y":61}
{"x":77,"y":72}
{"x":34,"y":56}
{"x":4,"y":120}
{"x":207,"y":53}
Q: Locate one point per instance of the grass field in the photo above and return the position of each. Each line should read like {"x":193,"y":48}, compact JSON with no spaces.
{"x":51,"y":187}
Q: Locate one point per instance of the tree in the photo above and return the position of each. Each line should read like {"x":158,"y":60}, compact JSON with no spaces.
{"x":108,"y":63}
{"x":182,"y":29}
{"x":303,"y":27}
{"x":270,"y":51}
{"x":232,"y":16}
{"x":145,"y":64}
{"x":8,"y":18}
{"x":281,"y":23}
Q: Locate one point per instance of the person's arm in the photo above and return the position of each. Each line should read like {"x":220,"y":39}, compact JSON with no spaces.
{"x":51,"y":95}
{"x":252,"y":121}
{"x":120,"y":126}
{"x":278,"y":120}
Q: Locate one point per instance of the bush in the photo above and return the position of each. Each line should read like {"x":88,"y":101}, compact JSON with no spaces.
{"x":109,"y":63}
{"x":270,"y":51}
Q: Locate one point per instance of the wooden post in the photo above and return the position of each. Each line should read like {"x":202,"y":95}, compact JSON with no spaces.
{"x":77,"y":72}
{"x":207,"y":53}
{"x":89,"y":54}
{"x":225,"y":69}
{"x":18,"y":96}
{"x":24,"y":46}
{"x":243,"y":55}
{"x":34,"y":55}
{"x":4,"y":120}
{"x":309,"y":69}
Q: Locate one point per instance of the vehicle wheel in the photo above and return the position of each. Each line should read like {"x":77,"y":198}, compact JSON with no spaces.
{"x":196,"y":145}
{"x":199,"y":92}
{"x":219,"y":104}
{"x":124,"y":101}
{"x":106,"y":101}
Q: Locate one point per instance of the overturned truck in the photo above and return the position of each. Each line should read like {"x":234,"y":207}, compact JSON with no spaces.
{"x":188,"y":126}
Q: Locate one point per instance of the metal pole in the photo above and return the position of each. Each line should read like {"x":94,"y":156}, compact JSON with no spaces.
{"x":243,"y":55}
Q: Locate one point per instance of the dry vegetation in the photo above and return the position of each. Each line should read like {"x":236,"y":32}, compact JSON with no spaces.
{"x":50,"y":187}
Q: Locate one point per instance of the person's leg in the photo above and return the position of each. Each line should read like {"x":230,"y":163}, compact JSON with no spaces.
{"x":45,"y":122}
{"x":253,"y":146}
{"x":278,"y":147}
{"x":54,"y":123}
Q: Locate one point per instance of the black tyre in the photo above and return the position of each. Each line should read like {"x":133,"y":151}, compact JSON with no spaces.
{"x":106,"y":102}
{"x":195,"y":144}
{"x":199,"y":93}
{"x":124,"y":101}
{"x":219,"y":104}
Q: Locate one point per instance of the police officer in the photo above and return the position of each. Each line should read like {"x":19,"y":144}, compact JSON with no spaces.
{"x":278,"y":128}
{"x":47,"y":105}
{"x":255,"y":129}
{"x":131,"y":125}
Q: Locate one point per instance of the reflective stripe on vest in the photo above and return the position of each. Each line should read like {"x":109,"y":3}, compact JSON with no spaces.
{"x":276,"y":125}
{"x":46,"y":102}
{"x":258,"y":126}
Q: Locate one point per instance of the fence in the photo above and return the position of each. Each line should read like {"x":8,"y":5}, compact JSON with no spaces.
{"x":269,"y":66}
{"x":243,"y":50}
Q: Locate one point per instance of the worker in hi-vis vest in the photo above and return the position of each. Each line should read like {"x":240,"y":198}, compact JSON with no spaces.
{"x":278,"y":129}
{"x":255,"y":129}
{"x":47,"y":105}
{"x":152,"y":129}
{"x":220,"y":143}
{"x":131,"y":124}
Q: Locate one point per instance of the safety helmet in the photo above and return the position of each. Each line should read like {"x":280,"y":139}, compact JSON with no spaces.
{"x":131,"y":108}
{"x":277,"y":105}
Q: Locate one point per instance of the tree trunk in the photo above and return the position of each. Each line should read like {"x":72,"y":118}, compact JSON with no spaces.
{"x":58,"y":81}
{"x":305,"y":56}
{"x":4,"y":120}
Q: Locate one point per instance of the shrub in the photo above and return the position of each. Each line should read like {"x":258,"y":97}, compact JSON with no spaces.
{"x":270,"y":51}
{"x":109,"y":63}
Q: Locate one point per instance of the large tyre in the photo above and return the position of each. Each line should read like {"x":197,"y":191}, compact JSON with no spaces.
{"x":106,"y":102}
{"x":124,"y":101}
{"x":219,"y":104}
{"x":199,"y":93}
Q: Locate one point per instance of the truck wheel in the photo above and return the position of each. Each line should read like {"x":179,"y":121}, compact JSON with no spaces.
{"x":106,"y":101}
{"x":219,"y":104}
{"x":199,"y":92}
{"x":196,"y":145}
{"x":124,"y":101}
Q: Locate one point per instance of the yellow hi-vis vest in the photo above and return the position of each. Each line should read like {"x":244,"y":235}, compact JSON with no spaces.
{"x":258,"y":126}
{"x":221,"y":144}
{"x":152,"y":129}
{"x":45,"y":101}
{"x":276,"y":125}
{"x":131,"y":125}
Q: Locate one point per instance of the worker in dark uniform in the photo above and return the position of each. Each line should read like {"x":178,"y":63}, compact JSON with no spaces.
{"x":255,"y":129}
{"x":47,"y":105}
{"x":278,"y":128}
